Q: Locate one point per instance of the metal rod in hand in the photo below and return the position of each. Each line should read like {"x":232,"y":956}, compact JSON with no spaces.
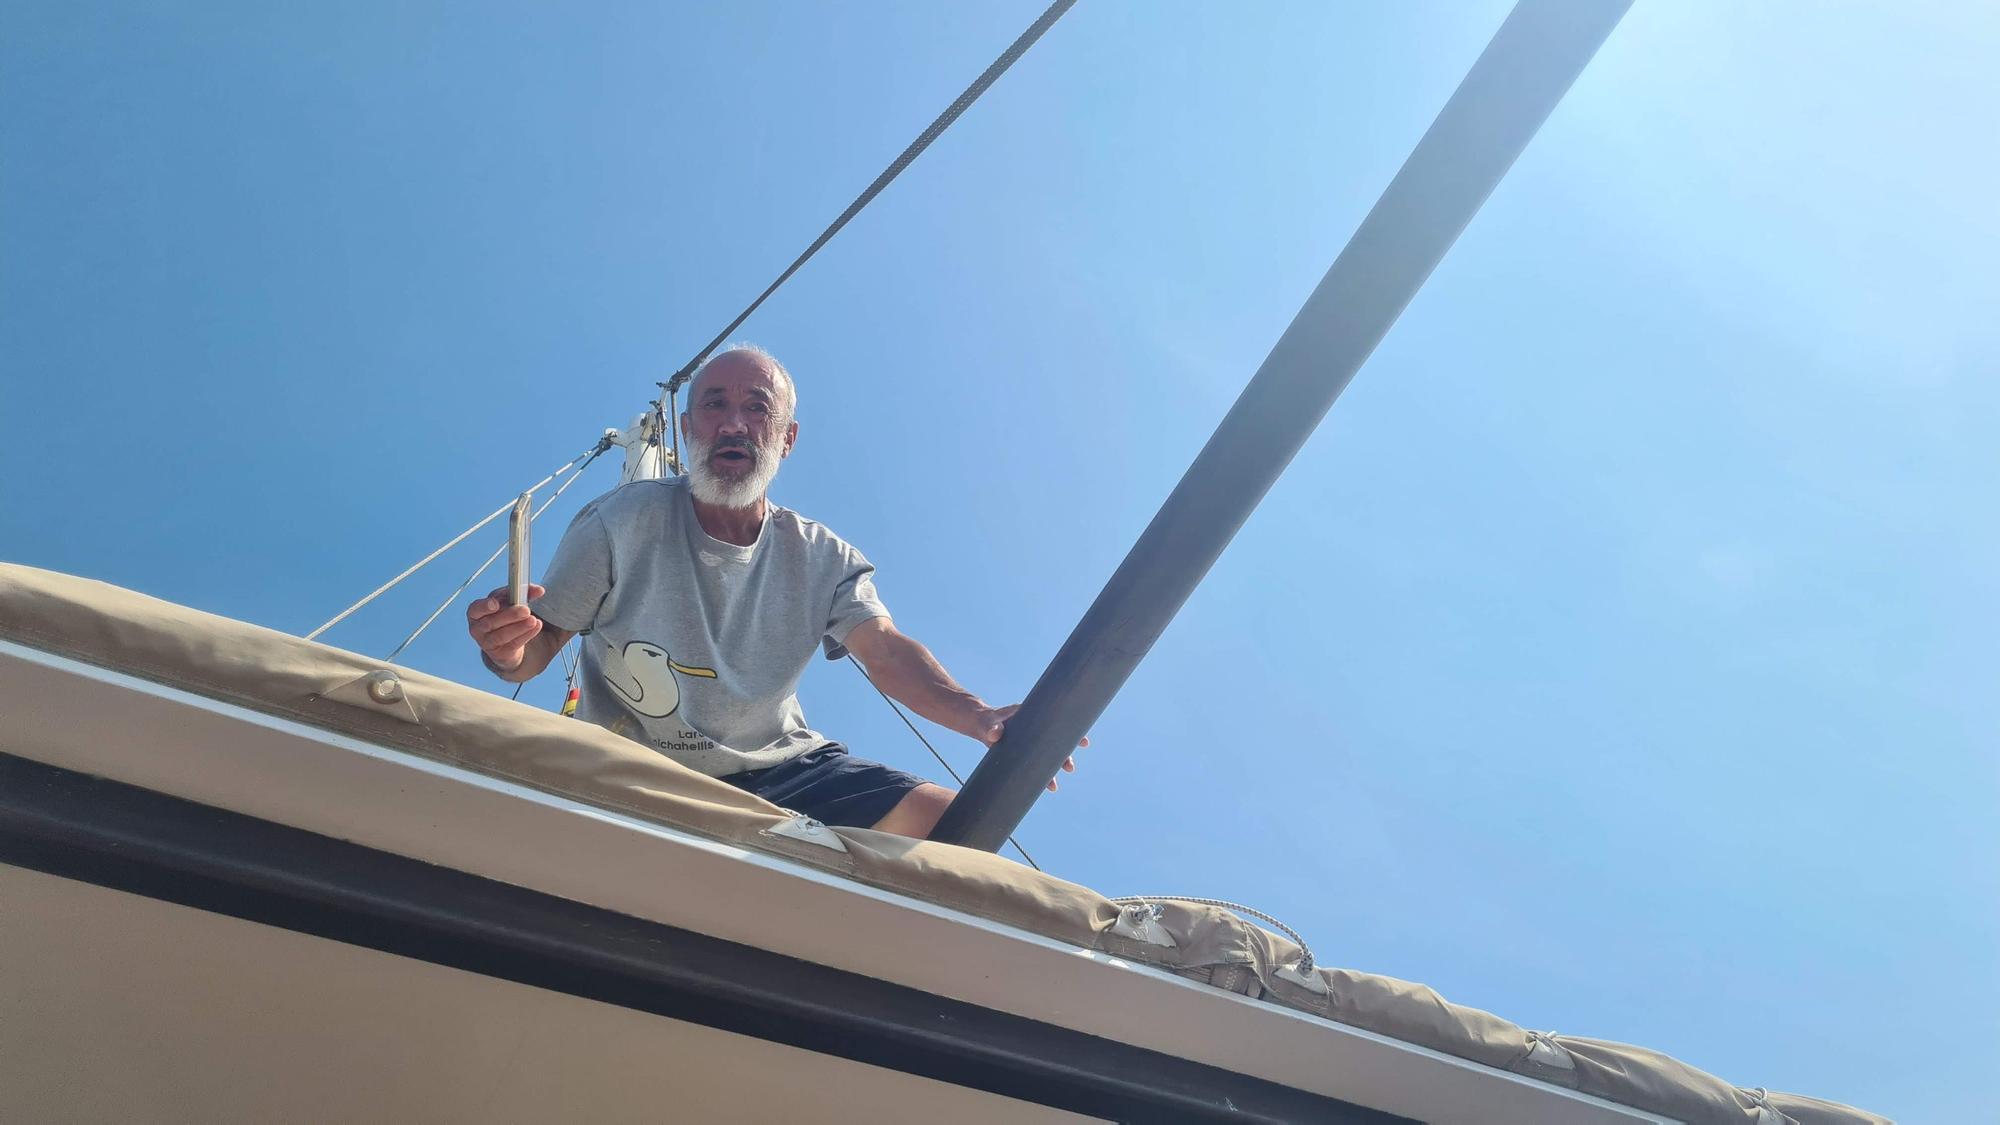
{"x":491,"y":559}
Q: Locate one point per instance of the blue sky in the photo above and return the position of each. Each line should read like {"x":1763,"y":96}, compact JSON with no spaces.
{"x":1619,"y":656}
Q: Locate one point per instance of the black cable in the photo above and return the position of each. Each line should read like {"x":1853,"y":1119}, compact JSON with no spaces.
{"x":944,"y":120}
{"x":671,"y":387}
{"x":928,"y":746}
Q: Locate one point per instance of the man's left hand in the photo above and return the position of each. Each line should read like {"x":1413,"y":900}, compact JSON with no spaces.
{"x":995,"y":725}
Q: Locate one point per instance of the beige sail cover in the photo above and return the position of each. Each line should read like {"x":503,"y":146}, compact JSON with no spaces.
{"x":280,"y":674}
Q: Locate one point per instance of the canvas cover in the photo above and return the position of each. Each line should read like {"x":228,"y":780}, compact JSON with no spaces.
{"x":284,"y":675}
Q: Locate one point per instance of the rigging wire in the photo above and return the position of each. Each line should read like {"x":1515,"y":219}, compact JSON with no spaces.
{"x":461,"y":537}
{"x":495,"y":556}
{"x":673,"y":425}
{"x":670,"y":389}
{"x":944,"y":121}
{"x":928,"y":746}
{"x":572,"y":656}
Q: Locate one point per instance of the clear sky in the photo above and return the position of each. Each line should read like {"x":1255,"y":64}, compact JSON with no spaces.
{"x":1620,"y":655}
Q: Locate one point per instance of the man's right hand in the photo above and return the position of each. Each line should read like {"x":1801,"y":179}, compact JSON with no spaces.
{"x":502,"y":631}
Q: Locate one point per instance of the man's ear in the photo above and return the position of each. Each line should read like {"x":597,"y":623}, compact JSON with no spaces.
{"x":791,"y":439}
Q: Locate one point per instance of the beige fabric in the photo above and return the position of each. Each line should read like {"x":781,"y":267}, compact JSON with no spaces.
{"x":280,"y":674}
{"x":1813,"y":1111}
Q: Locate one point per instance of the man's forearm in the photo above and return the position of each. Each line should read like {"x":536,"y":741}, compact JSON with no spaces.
{"x":907,"y":672}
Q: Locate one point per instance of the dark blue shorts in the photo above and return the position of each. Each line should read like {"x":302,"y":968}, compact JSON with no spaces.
{"x":831,"y":786}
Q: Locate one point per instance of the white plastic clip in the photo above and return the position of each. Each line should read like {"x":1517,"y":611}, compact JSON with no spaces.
{"x":799,"y":826}
{"x":1140,"y":921}
{"x":1760,"y":1100}
{"x":1310,"y":981}
{"x":1543,"y":1050}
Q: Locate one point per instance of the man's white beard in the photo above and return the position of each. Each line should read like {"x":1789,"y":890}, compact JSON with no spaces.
{"x":742,"y":492}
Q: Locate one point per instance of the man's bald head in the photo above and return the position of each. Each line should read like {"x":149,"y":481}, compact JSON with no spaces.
{"x":741,"y":356}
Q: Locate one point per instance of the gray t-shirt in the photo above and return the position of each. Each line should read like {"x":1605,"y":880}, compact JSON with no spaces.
{"x":694,"y":646}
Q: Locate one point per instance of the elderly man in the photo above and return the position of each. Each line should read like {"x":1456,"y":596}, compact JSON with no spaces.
{"x":702,"y":603}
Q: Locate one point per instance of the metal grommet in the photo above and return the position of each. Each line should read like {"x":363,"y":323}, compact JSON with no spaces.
{"x":384,"y":687}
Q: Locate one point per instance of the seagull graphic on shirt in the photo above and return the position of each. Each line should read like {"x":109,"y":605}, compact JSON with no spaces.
{"x":645,"y":676}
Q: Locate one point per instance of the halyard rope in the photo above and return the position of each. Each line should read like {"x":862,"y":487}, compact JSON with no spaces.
{"x":944,"y":120}
{"x":671,"y":388}
{"x":916,"y":148}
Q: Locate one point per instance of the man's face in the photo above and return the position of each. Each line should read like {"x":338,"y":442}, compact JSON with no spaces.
{"x":738,"y":429}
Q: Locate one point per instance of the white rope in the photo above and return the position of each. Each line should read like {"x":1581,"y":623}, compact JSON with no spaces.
{"x":1305,"y":952}
{"x":494,"y":557}
{"x":427,"y":559}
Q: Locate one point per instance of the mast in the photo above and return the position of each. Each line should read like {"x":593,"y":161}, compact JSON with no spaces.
{"x":1540,"y":49}
{"x":644,"y":443}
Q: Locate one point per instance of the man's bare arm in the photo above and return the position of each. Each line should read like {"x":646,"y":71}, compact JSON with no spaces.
{"x":907,"y":672}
